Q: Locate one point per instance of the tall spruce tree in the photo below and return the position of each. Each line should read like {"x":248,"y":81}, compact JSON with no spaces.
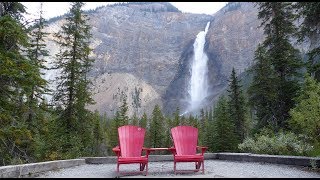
{"x":120,"y":119}
{"x":134,"y":119}
{"x":143,"y":121}
{"x":262,"y":90}
{"x":277,"y":19}
{"x":237,"y":106}
{"x":16,"y":77}
{"x":224,"y":137}
{"x":123,"y":110}
{"x":156,"y":130}
{"x":309,"y":29}
{"x":203,"y":125}
{"x":74,"y":64}
{"x":167,"y":134}
{"x":176,"y":120}
{"x":73,"y":93}
{"x":36,"y":54}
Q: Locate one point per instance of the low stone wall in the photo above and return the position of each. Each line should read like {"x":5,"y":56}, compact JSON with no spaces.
{"x":275,"y":159}
{"x":28,"y":170}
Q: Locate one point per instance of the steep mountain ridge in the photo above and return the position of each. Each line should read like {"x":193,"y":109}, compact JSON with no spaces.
{"x":149,"y":46}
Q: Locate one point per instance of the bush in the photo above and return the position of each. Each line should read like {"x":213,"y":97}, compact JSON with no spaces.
{"x":280,"y":144}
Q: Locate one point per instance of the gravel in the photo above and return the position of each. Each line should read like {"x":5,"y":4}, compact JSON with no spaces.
{"x":213,"y":169}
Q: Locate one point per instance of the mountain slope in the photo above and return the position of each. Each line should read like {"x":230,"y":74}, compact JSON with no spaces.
{"x":149,"y":46}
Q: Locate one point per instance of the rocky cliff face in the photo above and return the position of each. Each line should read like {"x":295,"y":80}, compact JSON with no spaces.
{"x":149,"y":47}
{"x":231,"y":41}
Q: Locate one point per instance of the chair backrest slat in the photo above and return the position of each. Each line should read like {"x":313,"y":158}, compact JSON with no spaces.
{"x":185,"y":139}
{"x":131,"y":139}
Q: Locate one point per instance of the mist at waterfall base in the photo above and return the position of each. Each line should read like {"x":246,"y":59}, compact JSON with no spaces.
{"x":198,"y":85}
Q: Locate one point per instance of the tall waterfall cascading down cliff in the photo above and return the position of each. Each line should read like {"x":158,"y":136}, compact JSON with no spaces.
{"x":198,"y":86}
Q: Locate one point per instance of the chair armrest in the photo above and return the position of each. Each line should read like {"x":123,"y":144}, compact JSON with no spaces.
{"x":116,"y":150}
{"x":172,"y":150}
{"x":148,"y":150}
{"x":203,"y":149}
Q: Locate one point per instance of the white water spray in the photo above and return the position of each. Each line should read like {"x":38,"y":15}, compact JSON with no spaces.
{"x":198,"y":87}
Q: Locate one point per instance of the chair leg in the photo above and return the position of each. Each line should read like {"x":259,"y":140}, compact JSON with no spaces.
{"x":146,"y":169}
{"x":142,"y":165}
{"x":174,"y":167}
{"x":198,"y":165}
{"x":202,"y":167}
{"x":118,"y":173}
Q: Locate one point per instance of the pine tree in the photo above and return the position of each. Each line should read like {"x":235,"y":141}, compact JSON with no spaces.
{"x":277,"y":19}
{"x":16,"y":77}
{"x":309,"y":29}
{"x":223,"y":129}
{"x":134,"y":119}
{"x":183,"y":121}
{"x":167,"y":134}
{"x":120,"y":119}
{"x":176,"y":120}
{"x":143,"y":121}
{"x":262,"y":90}
{"x":192,"y":121}
{"x":209,"y":129}
{"x":203,"y":123}
{"x":156,"y":130}
{"x":237,"y":106}
{"x":36,"y":54}
{"x":98,"y":136}
{"x":73,"y":89}
{"x":123,"y":110}
{"x":113,"y":132}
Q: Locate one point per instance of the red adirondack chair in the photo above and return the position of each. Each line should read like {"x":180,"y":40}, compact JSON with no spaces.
{"x":129,"y":150}
{"x":185,"y":147}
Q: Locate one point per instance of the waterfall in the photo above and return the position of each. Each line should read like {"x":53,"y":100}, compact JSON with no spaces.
{"x":198,"y":87}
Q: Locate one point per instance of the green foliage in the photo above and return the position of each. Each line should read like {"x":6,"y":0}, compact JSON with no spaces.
{"x":73,"y":92}
{"x":167,"y":135}
{"x":36,"y":53}
{"x":134,"y":120}
{"x":223,"y":129}
{"x":12,"y":9}
{"x":157,"y":128}
{"x":285,"y":61}
{"x":123,"y":110}
{"x":237,"y":106}
{"x":144,"y":121}
{"x":316,"y":150}
{"x":309,"y":29}
{"x":192,"y":121}
{"x":277,"y":144}
{"x":17,"y":78}
{"x":305,"y":116}
{"x":176,"y":120}
{"x":121,"y":118}
{"x":203,"y":128}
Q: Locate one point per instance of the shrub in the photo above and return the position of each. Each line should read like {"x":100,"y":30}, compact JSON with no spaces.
{"x":279,"y":144}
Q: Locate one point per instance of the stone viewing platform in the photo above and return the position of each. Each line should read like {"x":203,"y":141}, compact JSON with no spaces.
{"x":216,"y":165}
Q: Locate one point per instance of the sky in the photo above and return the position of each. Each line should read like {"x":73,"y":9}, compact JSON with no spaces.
{"x":53,"y":9}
